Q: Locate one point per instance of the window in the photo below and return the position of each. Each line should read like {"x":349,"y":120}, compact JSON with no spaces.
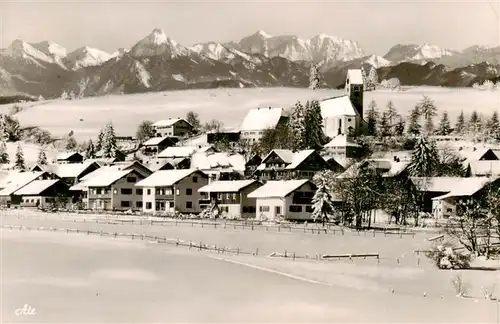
{"x":132,"y":179}
{"x":449,"y":210}
{"x":138,"y":192}
{"x":149,"y":205}
{"x":295,"y":209}
{"x":277,"y":210}
{"x":148,"y":191}
{"x":189,"y":204}
{"x":309,"y":209}
{"x":189,"y":191}
{"x":348,"y":119}
{"x":245,"y":209}
{"x":125,"y":203}
{"x":98,"y":191}
{"x":235,"y":195}
{"x":138,"y":204}
{"x":126,"y":191}
{"x":171,"y":204}
{"x":195,"y":179}
{"x":177,"y":192}
{"x":263,"y":209}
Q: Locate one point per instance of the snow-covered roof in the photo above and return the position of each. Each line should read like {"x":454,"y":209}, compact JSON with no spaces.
{"x":277,"y":189}
{"x":66,"y":155}
{"x":219,"y":160}
{"x":227,"y":186}
{"x":17,"y":180}
{"x":261,"y":118}
{"x":293,"y":159}
{"x":337,"y":106}
{"x":169,"y":122}
{"x":474,"y":154}
{"x":177,"y":151}
{"x":165,"y":178}
{"x":355,"y":76}
{"x":341,"y":141}
{"x":154,"y":141}
{"x":70,"y":170}
{"x":392,"y":167}
{"x":107,"y":178}
{"x":401,"y":155}
{"x":467,"y":187}
{"x":483,"y":168}
{"x":298,"y":158}
{"x":35,"y":187}
{"x":437,"y":184}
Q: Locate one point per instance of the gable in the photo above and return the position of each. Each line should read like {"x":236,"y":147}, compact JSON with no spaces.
{"x":274,"y":158}
{"x":189,"y":178}
{"x":182,"y":124}
{"x":308,"y":186}
{"x":489,"y":155}
{"x":313,"y":162}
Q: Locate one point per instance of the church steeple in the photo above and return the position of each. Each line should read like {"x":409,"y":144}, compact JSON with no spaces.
{"x":354,"y":89}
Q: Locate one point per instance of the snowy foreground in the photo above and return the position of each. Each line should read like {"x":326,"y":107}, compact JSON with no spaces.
{"x":85,"y":278}
{"x":86,"y":116}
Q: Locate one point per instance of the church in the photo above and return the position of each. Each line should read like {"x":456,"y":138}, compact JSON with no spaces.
{"x":343,"y":115}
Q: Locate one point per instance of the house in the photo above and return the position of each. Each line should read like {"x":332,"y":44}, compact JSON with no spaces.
{"x":174,"y":152}
{"x":286,"y":164}
{"x":252,"y":164}
{"x":386,"y":167}
{"x":69,"y":157}
{"x":258,"y":120}
{"x":157,"y":144}
{"x":118,"y":156}
{"x":219,"y":165}
{"x":178,"y":127}
{"x":15,"y":180}
{"x":169,"y":164}
{"x":114,"y":189}
{"x":446,"y":205}
{"x":343,"y":115}
{"x":477,"y":154}
{"x":173,"y":191}
{"x":342,"y":148}
{"x":224,"y":136}
{"x":432,"y":187}
{"x":484,"y":168}
{"x":42,"y":194}
{"x":289,"y":199}
{"x":231,"y":197}
{"x":70,"y":173}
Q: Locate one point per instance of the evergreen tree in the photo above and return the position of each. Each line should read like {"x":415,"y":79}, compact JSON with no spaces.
{"x":109,"y":146}
{"x":414,"y":127}
{"x":90,"y":152}
{"x":322,"y":201}
{"x":424,"y":159}
{"x":460,"y":125}
{"x":100,"y":141}
{"x":428,"y":110}
{"x":474,"y":125}
{"x":391,"y":114}
{"x":372,"y":118}
{"x":399,"y":128}
{"x":4,"y":155}
{"x":444,"y":127}
{"x":313,"y":125}
{"x":42,"y":158}
{"x":19,"y":162}
{"x":71,"y":143}
{"x":314,"y":77}
{"x":373,"y":78}
{"x":493,"y":127}
{"x":297,"y":126}
{"x":384,"y":125}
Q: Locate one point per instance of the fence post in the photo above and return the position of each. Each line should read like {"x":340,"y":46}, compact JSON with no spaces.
{"x":88,"y":232}
{"x":252,"y":226}
{"x":116,"y":234}
{"x":418,"y":261}
{"x":177,"y":242}
{"x":200,"y":243}
{"x":190,"y":245}
{"x":201,"y":224}
{"x":132,"y":236}
{"x":237,"y":251}
{"x":397,"y":260}
{"x":285,"y":253}
{"x":257,"y":252}
{"x":293,"y":256}
{"x":215,"y":225}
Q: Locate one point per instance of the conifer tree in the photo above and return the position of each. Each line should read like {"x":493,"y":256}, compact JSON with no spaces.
{"x":4,"y":155}
{"x":373,"y":78}
{"x":42,"y":158}
{"x":474,"y":125}
{"x":71,"y":143}
{"x":384,"y":125}
{"x":314,"y":77}
{"x":100,"y":140}
{"x":444,"y":127}
{"x":424,"y":160}
{"x":90,"y":152}
{"x":428,"y":110}
{"x":313,"y":125}
{"x":372,"y":118}
{"x":399,"y":128}
{"x":297,"y":126}
{"x":414,"y":127}
{"x":322,"y":201}
{"x":19,"y":162}
{"x":391,"y":114}
{"x":460,"y":125}
{"x":493,"y":127}
{"x":109,"y":146}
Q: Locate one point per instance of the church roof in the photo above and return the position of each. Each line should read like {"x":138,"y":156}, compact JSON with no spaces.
{"x":337,"y":106}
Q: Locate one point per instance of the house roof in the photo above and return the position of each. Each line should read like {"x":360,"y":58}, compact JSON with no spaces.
{"x":293,"y":159}
{"x":402,"y":155}
{"x":437,"y":184}
{"x":155,"y":141}
{"x":483,"y":168}
{"x":169,"y":122}
{"x":66,"y":155}
{"x":219,"y":160}
{"x":107,"y":178}
{"x":355,"y":76}
{"x":227,"y":186}
{"x":337,"y":106}
{"x":467,"y":187}
{"x":262,"y":118}
{"x":277,"y":189}
{"x":165,"y":178}
{"x":474,"y":154}
{"x":341,"y":141}
{"x":35,"y":187}
{"x":17,"y":180}
{"x":298,"y":158}
{"x":177,"y":151}
{"x":393,"y":168}
{"x":71,"y":170}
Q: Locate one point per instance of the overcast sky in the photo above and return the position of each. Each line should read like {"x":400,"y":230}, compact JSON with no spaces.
{"x":376,"y":25}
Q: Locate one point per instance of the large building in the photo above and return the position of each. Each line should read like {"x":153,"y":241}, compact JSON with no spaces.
{"x":343,"y":115}
{"x":258,"y":120}
{"x":178,"y":127}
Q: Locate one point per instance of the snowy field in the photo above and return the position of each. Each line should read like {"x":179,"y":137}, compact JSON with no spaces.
{"x":72,"y":278}
{"x":86,"y":116}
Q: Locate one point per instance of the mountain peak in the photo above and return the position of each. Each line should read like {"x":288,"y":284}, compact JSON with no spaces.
{"x":262,"y":34}
{"x":87,"y":56}
{"x":157,"y":43}
{"x":157,"y":37}
{"x":20,"y":48}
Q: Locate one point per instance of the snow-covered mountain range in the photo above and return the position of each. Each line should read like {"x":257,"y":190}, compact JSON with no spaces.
{"x":157,"y":62}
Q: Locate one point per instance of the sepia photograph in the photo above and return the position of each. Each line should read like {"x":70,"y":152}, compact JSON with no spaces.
{"x":228,"y":161}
